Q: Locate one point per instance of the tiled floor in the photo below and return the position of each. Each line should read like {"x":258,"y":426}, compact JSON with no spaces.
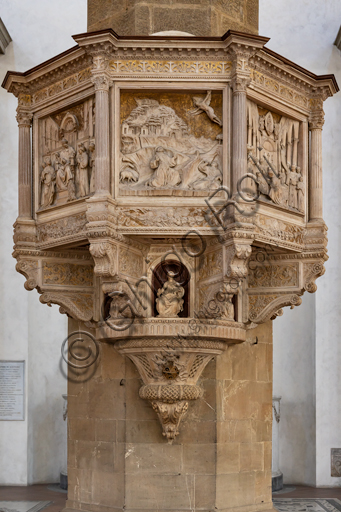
{"x":42,"y":493}
{"x":34,"y":493}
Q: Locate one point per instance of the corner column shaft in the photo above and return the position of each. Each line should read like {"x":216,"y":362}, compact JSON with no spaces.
{"x":102,"y":176}
{"x":239,"y":141}
{"x":24,"y":120}
{"x":315,"y":174}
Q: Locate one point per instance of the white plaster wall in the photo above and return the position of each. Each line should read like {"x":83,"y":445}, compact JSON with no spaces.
{"x":30,"y":451}
{"x":304,"y":31}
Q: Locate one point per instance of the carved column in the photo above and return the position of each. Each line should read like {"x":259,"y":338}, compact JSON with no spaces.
{"x":240,"y":82}
{"x":316,"y":122}
{"x":24,"y":120}
{"x":102,"y":83}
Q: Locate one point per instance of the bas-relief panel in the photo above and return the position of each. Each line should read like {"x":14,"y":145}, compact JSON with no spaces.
{"x":273,"y":158}
{"x":67,"y":155}
{"x":170,"y":142}
{"x":67,"y":274}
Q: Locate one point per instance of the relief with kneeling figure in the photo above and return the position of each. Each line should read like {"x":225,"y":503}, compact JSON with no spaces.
{"x":170,"y":142}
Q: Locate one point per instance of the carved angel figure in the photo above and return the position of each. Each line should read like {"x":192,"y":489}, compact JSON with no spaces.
{"x":48,"y":182}
{"x":170,"y":302}
{"x":82,"y":164}
{"x":165,"y":174}
{"x":203,"y":105}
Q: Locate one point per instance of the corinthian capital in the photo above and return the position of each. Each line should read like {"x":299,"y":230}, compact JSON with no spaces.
{"x":316,"y":120}
{"x":241,"y":77}
{"x":101,"y":82}
{"x":24,"y":118}
{"x":240,"y":83}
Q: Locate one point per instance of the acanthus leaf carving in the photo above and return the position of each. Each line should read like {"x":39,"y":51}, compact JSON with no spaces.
{"x":104,"y":254}
{"x":237,"y":256}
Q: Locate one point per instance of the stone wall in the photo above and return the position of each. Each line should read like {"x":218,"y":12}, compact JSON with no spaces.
{"x":198,"y":17}
{"x":222,"y":457}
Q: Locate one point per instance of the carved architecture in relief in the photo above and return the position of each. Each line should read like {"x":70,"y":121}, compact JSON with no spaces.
{"x":163,"y":151}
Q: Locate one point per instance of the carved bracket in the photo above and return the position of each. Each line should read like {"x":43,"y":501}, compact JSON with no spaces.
{"x":170,"y":376}
{"x":104,"y":254}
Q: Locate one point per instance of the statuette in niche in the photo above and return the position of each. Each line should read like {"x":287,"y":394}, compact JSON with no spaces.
{"x":82,"y":167}
{"x":48,"y":183}
{"x":169,"y":302}
{"x":203,"y":105}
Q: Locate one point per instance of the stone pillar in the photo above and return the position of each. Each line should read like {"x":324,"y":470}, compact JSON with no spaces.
{"x":240,"y":81}
{"x":315,"y":169}
{"x":221,"y":460}
{"x":102,"y":162}
{"x":24,"y":120}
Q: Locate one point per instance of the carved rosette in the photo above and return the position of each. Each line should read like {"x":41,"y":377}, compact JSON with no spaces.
{"x":170,"y":371}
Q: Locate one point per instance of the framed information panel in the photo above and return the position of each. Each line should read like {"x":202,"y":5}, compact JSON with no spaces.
{"x":12,"y":390}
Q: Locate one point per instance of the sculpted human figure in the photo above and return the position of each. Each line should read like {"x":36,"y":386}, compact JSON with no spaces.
{"x":68,"y":152}
{"x":170,"y":302}
{"x":203,"y":105}
{"x":48,"y":181}
{"x":69,"y":180}
{"x":92,"y":166}
{"x":165,"y":174}
{"x":82,"y":164}
{"x":60,"y":174}
{"x":300,"y":194}
{"x":276,"y":189}
{"x":293,"y":179}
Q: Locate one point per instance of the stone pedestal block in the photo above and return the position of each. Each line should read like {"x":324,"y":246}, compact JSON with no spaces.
{"x":221,"y":460}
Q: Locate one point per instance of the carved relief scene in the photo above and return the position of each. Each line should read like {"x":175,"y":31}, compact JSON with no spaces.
{"x":170,"y":142}
{"x":67,"y":148}
{"x":273,"y":158}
